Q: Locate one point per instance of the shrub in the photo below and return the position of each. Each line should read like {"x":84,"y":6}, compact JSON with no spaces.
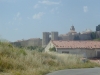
{"x":52,"y":49}
{"x":37,"y":48}
{"x":19,"y":61}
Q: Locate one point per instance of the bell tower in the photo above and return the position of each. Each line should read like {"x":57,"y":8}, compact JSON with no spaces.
{"x":72,"y":28}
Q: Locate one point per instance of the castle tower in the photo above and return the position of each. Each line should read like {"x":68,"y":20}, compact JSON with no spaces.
{"x":54,"y":35}
{"x":45,"y":39}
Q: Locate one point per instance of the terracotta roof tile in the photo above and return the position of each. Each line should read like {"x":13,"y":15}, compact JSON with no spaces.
{"x":77,"y":44}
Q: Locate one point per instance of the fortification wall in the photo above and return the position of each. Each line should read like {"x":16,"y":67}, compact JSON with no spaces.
{"x":30,"y":42}
{"x":61,"y":37}
{"x":85,"y":36}
{"x":24,"y":43}
{"x":34,"y":42}
{"x":77,"y":36}
{"x":66,"y":37}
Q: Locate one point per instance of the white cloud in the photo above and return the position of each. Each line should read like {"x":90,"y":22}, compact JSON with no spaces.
{"x":36,"y":6}
{"x":85,"y":9}
{"x":38,"y":16}
{"x":49,"y":2}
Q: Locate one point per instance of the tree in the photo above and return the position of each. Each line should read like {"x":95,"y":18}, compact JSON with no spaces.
{"x":93,"y":35}
{"x":52,"y":49}
{"x":37,"y":48}
{"x":32,"y":47}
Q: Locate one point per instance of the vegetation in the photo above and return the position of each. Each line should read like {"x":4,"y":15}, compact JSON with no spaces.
{"x":37,"y":48}
{"x":52,"y":49}
{"x":93,"y":35}
{"x":19,"y":61}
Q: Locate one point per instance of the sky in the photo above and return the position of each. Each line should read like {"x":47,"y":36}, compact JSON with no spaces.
{"x":25,"y":19}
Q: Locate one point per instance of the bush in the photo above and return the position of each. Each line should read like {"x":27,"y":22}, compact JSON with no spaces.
{"x":18,"y":61}
{"x":52,"y":49}
{"x":37,"y":48}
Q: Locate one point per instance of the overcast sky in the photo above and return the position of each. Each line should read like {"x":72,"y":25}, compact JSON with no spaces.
{"x":25,"y":19}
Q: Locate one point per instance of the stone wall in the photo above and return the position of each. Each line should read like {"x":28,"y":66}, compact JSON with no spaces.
{"x":30,"y":42}
{"x":85,"y":36}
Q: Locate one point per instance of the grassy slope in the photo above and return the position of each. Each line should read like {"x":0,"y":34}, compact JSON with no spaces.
{"x":15,"y":61}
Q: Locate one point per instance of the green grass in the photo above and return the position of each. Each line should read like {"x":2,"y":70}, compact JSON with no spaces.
{"x":18,"y":61}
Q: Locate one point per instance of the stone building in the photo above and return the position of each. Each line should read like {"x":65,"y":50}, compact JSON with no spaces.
{"x":54,"y":35}
{"x":73,"y":35}
{"x":98,"y":28}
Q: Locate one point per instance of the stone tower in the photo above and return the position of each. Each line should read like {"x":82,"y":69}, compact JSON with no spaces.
{"x":54,"y":35}
{"x":45,"y":39}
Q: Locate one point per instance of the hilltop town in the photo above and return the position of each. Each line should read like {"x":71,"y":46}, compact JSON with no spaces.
{"x":71,"y":35}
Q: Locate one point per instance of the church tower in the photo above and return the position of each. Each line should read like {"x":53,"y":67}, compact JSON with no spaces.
{"x":72,"y":28}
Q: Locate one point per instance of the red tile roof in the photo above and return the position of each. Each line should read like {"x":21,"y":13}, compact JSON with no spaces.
{"x":77,"y":44}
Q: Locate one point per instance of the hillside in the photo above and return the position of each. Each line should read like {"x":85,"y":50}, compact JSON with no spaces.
{"x":19,"y":61}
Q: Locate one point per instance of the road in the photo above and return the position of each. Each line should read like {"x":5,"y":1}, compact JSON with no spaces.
{"x":88,"y":71}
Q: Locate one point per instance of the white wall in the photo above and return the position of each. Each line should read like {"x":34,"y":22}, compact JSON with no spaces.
{"x":84,"y":52}
{"x":50,"y":45}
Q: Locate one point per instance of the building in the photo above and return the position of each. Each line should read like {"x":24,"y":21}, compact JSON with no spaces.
{"x":98,"y":28}
{"x":72,"y":30}
{"x":87,"y":49}
{"x":46,"y":37}
{"x":71,"y":35}
{"x":54,"y":35}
